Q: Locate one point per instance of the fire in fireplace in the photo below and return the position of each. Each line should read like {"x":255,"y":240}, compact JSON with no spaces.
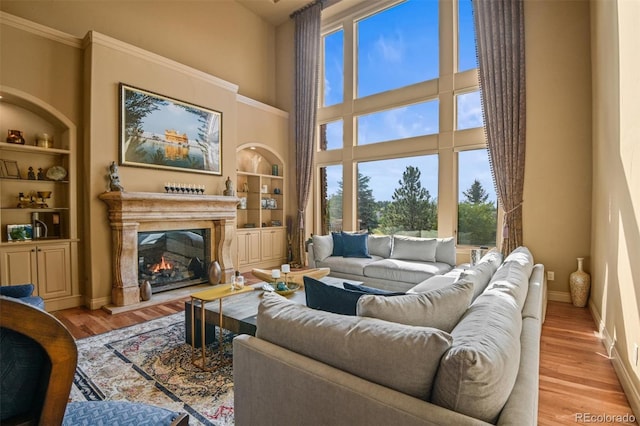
{"x":173,"y":259}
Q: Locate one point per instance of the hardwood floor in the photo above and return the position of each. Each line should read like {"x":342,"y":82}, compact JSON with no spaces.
{"x":576,"y":376}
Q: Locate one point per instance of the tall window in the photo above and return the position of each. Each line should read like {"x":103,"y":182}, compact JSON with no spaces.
{"x":409,"y":109}
{"x":477,"y":205}
{"x":331,"y":198}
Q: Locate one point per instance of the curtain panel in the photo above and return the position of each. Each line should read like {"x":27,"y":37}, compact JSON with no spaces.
{"x":499,"y":29}
{"x":307,"y":62}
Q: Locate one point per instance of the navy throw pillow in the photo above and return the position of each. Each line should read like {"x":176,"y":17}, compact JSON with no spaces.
{"x":338,"y":244}
{"x":355,"y":245}
{"x":371,"y":290}
{"x":330,"y":298}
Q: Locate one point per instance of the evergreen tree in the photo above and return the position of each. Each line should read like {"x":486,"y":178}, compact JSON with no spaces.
{"x":476,"y":193}
{"x":412,"y":208}
{"x":477,"y":217}
{"x":367,"y":206}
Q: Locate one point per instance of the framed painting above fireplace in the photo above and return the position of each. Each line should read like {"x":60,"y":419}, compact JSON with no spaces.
{"x":164,"y":133}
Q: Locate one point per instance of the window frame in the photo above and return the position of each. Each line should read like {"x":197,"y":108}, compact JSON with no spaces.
{"x":446,"y":143}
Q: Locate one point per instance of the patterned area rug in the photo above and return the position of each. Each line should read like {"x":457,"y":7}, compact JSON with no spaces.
{"x":151,"y":363}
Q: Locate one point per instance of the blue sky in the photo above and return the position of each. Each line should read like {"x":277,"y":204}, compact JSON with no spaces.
{"x":399,"y":47}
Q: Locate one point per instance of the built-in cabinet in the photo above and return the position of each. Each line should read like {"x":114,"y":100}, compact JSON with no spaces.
{"x":38,"y":225}
{"x":261,"y":232}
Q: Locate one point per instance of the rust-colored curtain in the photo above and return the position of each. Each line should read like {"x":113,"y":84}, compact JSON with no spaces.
{"x":499,"y":26}
{"x":307,"y":61}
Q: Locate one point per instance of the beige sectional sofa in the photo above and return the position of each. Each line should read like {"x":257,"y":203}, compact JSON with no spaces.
{"x":396,"y":263}
{"x":310,"y":367}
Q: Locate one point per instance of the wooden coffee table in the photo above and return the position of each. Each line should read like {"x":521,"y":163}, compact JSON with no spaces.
{"x":239,"y":312}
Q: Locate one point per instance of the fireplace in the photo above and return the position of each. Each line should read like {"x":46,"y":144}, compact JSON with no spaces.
{"x":183,"y":217}
{"x":173,"y":259}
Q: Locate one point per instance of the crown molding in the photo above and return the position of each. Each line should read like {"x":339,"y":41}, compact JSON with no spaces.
{"x":94,"y":37}
{"x":40,"y":30}
{"x":265,"y":107}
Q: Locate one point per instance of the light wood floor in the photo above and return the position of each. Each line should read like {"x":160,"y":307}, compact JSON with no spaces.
{"x":575,"y":374}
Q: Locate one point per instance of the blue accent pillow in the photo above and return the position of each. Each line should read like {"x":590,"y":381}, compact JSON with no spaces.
{"x":371,"y":290}
{"x":330,"y":298}
{"x":355,"y":245}
{"x":338,"y":244}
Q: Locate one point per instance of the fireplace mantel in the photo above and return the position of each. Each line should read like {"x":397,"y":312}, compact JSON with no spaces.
{"x":130,"y":212}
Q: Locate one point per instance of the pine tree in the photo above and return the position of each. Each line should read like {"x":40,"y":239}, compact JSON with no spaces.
{"x":412,"y":208}
{"x":476,"y":193}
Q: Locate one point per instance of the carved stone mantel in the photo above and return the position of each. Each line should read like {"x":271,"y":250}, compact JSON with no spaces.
{"x":131,"y":212}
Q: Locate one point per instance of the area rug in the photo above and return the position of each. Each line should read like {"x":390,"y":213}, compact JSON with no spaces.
{"x":151,"y":363}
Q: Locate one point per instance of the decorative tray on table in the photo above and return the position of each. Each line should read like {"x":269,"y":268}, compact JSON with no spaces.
{"x":282,"y":288}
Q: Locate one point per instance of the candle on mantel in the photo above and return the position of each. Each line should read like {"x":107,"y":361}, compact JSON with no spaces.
{"x":275,"y":273}
{"x":285,"y":268}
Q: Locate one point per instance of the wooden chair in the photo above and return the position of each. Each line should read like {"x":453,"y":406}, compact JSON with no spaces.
{"x":48,"y":408}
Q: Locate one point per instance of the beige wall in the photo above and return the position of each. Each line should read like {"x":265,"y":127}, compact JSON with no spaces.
{"x":615,"y":295}
{"x":557,"y":189}
{"x":221,"y":37}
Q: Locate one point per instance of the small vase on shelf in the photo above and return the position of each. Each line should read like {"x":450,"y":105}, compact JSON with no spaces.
{"x":579,"y":285}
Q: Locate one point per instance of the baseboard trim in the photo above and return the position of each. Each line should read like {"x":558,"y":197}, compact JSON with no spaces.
{"x":559,"y":296}
{"x":631,"y":391}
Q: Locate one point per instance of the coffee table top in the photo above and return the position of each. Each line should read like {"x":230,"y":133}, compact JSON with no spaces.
{"x":219,"y":292}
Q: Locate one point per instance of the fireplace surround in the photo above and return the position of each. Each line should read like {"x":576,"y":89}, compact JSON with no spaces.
{"x":132,"y":212}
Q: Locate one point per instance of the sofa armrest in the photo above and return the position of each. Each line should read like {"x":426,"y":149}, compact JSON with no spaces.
{"x":311,"y":258}
{"x":275,"y":386}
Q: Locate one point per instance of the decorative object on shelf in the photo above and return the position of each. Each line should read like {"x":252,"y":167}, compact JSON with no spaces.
{"x":255,"y":163}
{"x":274,"y":170}
{"x":215,"y":273}
{"x":242,"y":205}
{"x":265,"y":189}
{"x":10,"y":169}
{"x":249,"y":225}
{"x":43,"y":140}
{"x":43,"y":195}
{"x":182,"y":188}
{"x":579,"y":284}
{"x":191,"y":140}
{"x":24,"y":201}
{"x":56,"y":173}
{"x":31,"y":175}
{"x":229,"y":192}
{"x":276,"y":222}
{"x":245,"y":187}
{"x":276,"y":191}
{"x":15,"y":136}
{"x":114,"y":179}
{"x":19,"y":232}
{"x":145,"y":290}
{"x":40,"y":173}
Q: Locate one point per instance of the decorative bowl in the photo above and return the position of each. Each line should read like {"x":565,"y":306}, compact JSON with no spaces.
{"x":44,"y":194}
{"x":291,"y":288}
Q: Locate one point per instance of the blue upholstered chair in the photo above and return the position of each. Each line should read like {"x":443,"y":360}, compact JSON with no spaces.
{"x":24,"y":292}
{"x":38,"y":358}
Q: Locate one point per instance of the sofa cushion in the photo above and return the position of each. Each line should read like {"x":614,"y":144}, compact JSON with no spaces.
{"x":322,"y":246}
{"x":400,"y":357}
{"x":410,"y":248}
{"x":404,"y":270}
{"x":434,"y":283}
{"x":446,"y":250}
{"x":355,"y":245}
{"x":477,"y":374}
{"x":512,"y":277}
{"x":338,"y":244}
{"x":347,"y":265}
{"x":380,"y":245}
{"x":440,"y":308}
{"x":330,"y":298}
{"x":479,"y":275}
